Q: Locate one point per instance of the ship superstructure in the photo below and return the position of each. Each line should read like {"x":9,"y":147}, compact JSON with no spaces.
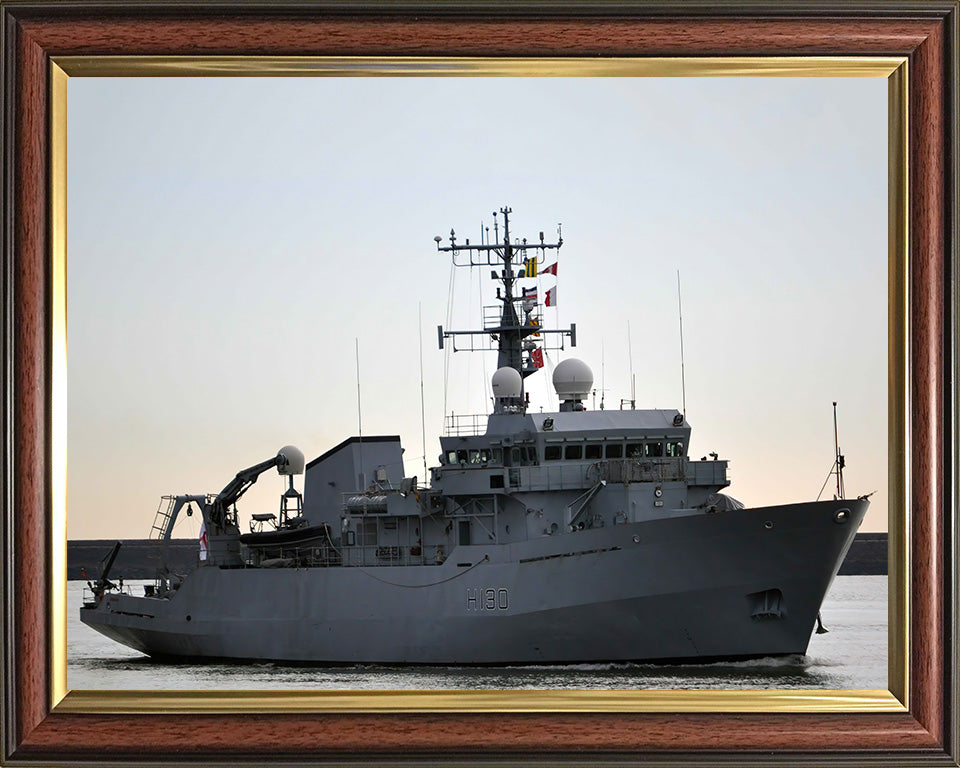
{"x":541,"y":537}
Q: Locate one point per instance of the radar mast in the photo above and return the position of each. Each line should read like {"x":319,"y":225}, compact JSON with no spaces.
{"x":514,"y":325}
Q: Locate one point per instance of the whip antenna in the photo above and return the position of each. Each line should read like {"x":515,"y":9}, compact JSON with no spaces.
{"x":356,"y":342}
{"x":603,"y":375}
{"x":683,"y":380}
{"x":423,"y":427}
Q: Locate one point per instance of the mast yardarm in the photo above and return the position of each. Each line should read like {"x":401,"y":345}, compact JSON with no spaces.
{"x":517,"y":323}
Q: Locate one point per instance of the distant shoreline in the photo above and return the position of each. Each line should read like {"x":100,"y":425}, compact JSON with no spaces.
{"x":867,"y":556}
{"x":140,"y":558}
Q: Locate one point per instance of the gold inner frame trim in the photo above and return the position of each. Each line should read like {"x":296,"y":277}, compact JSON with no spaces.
{"x":898,"y":386}
{"x":58,"y":388}
{"x":384,"y":702}
{"x":721,"y":701}
{"x":420,"y":66}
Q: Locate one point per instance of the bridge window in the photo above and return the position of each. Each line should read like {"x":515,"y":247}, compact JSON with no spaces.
{"x":573,"y":452}
{"x":653,"y":450}
{"x":530,"y":455}
{"x":614,"y":450}
{"x":496,"y":455}
{"x":634,"y":450}
{"x":551,"y":452}
{"x":675,"y":448}
{"x":593,"y":451}
{"x":474,"y":456}
{"x":451,"y":457}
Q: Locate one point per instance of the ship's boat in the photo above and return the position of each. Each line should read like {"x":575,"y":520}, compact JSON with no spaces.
{"x":576,"y":535}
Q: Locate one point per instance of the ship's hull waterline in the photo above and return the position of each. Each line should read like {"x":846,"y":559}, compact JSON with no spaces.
{"x":734,"y":584}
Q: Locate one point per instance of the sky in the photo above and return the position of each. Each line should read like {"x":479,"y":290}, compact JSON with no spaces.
{"x":245,"y":255}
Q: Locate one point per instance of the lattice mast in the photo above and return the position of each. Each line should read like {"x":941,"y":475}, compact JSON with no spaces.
{"x":511,"y":332}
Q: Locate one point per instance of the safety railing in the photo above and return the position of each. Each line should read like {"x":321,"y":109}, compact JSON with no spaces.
{"x":349,"y":555}
{"x":465,"y":425}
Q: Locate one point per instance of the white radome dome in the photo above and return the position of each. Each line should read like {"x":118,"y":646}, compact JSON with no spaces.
{"x":295,"y":460}
{"x":506,"y":382}
{"x":572,"y":379}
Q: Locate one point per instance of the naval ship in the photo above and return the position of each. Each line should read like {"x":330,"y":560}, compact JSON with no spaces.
{"x":577,"y":535}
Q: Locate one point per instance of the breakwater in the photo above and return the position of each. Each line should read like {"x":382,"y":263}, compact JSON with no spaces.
{"x":137,"y":558}
{"x":867,"y":556}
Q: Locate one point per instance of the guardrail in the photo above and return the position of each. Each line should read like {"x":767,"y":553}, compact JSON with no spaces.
{"x":352,"y":555}
{"x":465,"y":425}
{"x":558,"y":476}
{"x":88,"y":595}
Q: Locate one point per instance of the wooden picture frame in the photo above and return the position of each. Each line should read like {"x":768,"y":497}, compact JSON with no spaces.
{"x":35,"y":35}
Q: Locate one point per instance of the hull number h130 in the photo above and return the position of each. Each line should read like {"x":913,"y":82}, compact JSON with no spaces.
{"x":487,"y":599}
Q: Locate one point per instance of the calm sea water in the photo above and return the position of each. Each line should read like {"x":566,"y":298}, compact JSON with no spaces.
{"x":851,"y":656}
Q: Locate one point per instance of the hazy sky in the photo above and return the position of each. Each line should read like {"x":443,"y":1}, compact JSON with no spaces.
{"x":231,"y":240}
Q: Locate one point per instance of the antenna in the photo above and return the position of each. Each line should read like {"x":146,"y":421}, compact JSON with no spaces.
{"x":423,"y":427}
{"x":510,"y":334}
{"x":683,"y":380}
{"x":603,"y":375}
{"x":363,"y":483}
{"x":633,"y":379}
{"x":840,"y":461}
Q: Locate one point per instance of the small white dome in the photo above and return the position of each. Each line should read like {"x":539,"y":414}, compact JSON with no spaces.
{"x":506,"y":382}
{"x":573,"y":379}
{"x":295,"y":460}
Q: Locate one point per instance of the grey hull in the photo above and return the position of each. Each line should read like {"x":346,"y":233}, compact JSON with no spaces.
{"x":742,"y":583}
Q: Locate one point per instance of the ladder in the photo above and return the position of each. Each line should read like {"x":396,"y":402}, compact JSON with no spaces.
{"x":162,"y":518}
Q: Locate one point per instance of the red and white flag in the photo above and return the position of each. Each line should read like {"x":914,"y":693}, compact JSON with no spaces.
{"x":551,"y":297}
{"x":203,"y":541}
{"x":551,"y":270}
{"x":537,"y":356}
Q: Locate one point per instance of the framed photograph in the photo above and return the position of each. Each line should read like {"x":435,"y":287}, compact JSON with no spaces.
{"x":45,"y":46}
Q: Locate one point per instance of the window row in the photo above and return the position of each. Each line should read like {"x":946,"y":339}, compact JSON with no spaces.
{"x":475,"y":456}
{"x":527,"y":455}
{"x":650,"y":449}
{"x":521,"y":455}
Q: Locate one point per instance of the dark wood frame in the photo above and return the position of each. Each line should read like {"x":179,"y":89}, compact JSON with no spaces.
{"x":925,"y":32}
